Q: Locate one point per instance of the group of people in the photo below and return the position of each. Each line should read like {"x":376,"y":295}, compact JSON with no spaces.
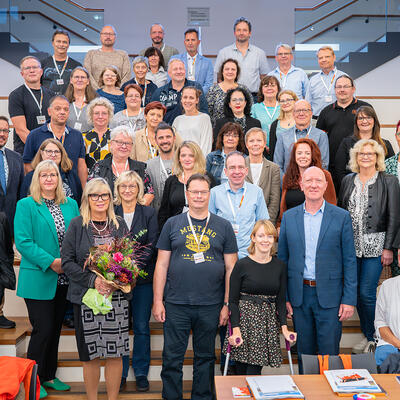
{"x":263,"y":196}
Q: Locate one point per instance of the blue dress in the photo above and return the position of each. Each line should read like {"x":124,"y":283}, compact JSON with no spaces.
{"x":117,"y":99}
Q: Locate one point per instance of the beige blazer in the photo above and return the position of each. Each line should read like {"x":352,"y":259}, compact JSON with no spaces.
{"x":270,"y":183}
{"x":140,"y":148}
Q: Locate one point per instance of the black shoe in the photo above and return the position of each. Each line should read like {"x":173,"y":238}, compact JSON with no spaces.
{"x":122,"y":384}
{"x":69,"y":323}
{"x":6,"y":323}
{"x":142,"y":384}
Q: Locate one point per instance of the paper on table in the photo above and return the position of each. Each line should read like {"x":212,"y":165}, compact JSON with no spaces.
{"x":273,"y":383}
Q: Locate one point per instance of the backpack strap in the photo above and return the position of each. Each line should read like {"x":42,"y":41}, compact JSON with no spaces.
{"x":346,"y":360}
{"x":323,"y":362}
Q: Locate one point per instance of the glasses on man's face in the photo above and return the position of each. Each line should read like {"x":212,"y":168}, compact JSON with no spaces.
{"x":33,"y":68}
{"x":48,"y":176}
{"x":287,"y":54}
{"x":52,"y":152}
{"x":97,"y":196}
{"x":302,"y":111}
{"x":4,"y":131}
{"x":366,"y":155}
{"x":129,"y":188}
{"x":120,"y":143}
{"x":198,"y":192}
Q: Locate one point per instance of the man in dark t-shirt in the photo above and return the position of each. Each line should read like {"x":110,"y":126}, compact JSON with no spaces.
{"x":28,"y":104}
{"x":197,"y":252}
{"x":58,"y":67}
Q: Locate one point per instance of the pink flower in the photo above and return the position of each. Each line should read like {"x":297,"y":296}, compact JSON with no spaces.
{"x":118,"y":257}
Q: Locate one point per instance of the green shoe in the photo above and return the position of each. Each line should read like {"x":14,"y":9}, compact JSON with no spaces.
{"x":57,"y":385}
{"x":43,"y":392}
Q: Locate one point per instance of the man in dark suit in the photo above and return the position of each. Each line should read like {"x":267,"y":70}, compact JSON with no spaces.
{"x":316,"y":242}
{"x":11,"y":176}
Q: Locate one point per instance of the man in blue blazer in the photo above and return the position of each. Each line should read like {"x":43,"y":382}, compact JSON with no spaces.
{"x":198,"y":68}
{"x":316,"y":242}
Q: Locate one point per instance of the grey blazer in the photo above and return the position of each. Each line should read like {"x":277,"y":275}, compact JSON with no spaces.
{"x":270,"y":183}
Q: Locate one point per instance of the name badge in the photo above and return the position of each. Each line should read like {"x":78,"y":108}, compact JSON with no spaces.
{"x":78,"y":126}
{"x":235,"y":228}
{"x":198,"y":258}
{"x":60,"y":82}
{"x":41,"y":119}
{"x":328,"y":99}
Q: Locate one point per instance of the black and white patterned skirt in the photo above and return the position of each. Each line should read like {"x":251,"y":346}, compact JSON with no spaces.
{"x":107,"y":336}
{"x":259,"y":327}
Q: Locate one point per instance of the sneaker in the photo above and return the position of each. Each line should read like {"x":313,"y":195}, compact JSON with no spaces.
{"x":6,"y":323}
{"x":359,"y":348}
{"x":142,"y":384}
{"x":370,"y":347}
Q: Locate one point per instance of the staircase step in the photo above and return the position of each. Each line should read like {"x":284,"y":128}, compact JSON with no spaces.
{"x":129,"y":392}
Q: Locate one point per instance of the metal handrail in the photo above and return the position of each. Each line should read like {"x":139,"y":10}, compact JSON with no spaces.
{"x":84,"y":8}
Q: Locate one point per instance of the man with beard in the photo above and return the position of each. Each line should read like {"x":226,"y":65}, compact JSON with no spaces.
{"x":157,"y":41}
{"x":97,"y":60}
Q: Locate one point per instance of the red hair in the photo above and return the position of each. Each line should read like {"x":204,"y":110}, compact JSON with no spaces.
{"x":292,"y":176}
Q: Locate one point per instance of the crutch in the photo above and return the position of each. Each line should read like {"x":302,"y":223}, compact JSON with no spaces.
{"x":228,"y":348}
{"x":289,"y":353}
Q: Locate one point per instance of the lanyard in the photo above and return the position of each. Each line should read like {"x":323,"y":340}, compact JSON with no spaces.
{"x":115,"y":167}
{"x":34,"y":97}
{"x":271,"y":116}
{"x":330,"y":86}
{"x":308,"y":133}
{"x":78,"y":115}
{"x":194,"y":233}
{"x":54,"y":136}
{"x":144,"y":91}
{"x":241,"y":201}
{"x":283,"y":82}
{"x":153,"y":150}
{"x":63,"y":68}
{"x":191,"y":68}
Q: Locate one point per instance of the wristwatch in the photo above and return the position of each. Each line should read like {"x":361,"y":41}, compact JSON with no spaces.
{"x":226,"y":303}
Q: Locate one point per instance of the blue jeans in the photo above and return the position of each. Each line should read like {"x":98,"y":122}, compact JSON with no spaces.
{"x":382,"y":352}
{"x":203,"y":321}
{"x":141,"y":303}
{"x":368,"y":273}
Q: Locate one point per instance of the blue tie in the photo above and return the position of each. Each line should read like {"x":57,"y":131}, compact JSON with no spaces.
{"x":2,"y":172}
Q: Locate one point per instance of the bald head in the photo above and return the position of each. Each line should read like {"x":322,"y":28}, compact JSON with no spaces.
{"x":313,"y":184}
{"x":302,"y":113}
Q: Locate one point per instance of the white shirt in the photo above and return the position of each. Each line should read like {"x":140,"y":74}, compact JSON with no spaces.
{"x":256,"y":172}
{"x":128,"y":217}
{"x":387,"y":311}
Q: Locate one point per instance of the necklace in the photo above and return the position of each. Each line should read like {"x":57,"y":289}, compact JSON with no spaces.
{"x":99,"y":231}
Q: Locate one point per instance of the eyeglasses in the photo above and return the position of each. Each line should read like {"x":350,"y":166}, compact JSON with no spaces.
{"x":33,"y":67}
{"x":198,"y":192}
{"x":366,"y":155}
{"x":234,"y":168}
{"x":109,"y":76}
{"x":270,"y":85}
{"x":343,"y":87}
{"x":303,"y":111}
{"x":283,"y":54}
{"x":47,"y":176}
{"x":286,"y":101}
{"x":128,"y":187}
{"x":122,"y":144}
{"x":52,"y":152}
{"x":232,"y":135}
{"x":96,"y":196}
{"x":5,"y":131}
{"x":79,"y":78}
{"x":240,"y":100}
{"x":365,"y":118}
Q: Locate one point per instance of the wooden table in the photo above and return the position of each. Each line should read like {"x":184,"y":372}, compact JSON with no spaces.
{"x":314,"y":387}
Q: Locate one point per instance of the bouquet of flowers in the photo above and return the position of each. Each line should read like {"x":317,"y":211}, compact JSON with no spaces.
{"x":116,"y":263}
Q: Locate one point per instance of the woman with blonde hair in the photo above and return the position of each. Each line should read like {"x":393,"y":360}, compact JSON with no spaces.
{"x":110,"y":82}
{"x":142,"y":224}
{"x":285,"y":121}
{"x":257,"y":302}
{"x":52,"y":149}
{"x":188,"y":160}
{"x":96,"y":225}
{"x":41,"y":221}
{"x":372,"y":198}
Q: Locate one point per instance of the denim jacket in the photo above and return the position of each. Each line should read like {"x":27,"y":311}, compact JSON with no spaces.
{"x":215,"y":163}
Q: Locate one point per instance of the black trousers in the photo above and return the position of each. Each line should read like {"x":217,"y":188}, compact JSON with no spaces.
{"x":46,"y":317}
{"x":247,"y":369}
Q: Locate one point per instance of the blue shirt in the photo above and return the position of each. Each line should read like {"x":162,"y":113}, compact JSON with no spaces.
{"x":253,"y":209}
{"x":312,"y":226}
{"x":258,"y":111}
{"x":284,"y":145}
{"x":73,"y":143}
{"x":296,"y":79}
{"x":319,"y":95}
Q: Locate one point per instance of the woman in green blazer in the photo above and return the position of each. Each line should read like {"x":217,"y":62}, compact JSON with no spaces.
{"x":40,"y":223}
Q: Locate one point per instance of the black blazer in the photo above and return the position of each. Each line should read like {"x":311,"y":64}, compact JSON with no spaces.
{"x":383,"y":204}
{"x":7,"y":274}
{"x":75,"y":250}
{"x":144,"y":219}
{"x":9,"y":200}
{"x":343,"y":156}
{"x":250,"y":123}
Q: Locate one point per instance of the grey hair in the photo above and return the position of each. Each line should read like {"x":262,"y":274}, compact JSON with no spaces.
{"x":140,"y":59}
{"x":120,"y":130}
{"x":99,"y":101}
{"x":172,"y":60}
{"x":234,"y":153}
{"x":253,"y":130}
{"x":285,"y":46}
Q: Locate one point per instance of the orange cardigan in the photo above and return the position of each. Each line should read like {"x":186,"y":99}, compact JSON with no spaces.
{"x":329,"y":195}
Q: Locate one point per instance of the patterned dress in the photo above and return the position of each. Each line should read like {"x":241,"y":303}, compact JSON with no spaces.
{"x":96,"y":149}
